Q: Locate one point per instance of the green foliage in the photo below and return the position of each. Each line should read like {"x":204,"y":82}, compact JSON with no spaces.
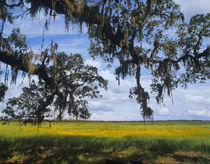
{"x":22,"y":148}
{"x":74,"y":81}
{"x":84,"y":149}
{"x":4,"y":16}
{"x":80,"y":110}
{"x":3,"y":89}
{"x":17,"y":40}
{"x":27,"y":105}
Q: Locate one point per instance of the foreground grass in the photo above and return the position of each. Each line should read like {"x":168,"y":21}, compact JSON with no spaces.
{"x":106,"y":142}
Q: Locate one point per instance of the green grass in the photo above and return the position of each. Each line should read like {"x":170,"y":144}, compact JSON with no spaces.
{"x":100,"y":142}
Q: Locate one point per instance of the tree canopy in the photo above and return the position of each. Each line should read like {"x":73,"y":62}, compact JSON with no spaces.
{"x":26,"y":106}
{"x":137,"y":33}
{"x":73,"y":81}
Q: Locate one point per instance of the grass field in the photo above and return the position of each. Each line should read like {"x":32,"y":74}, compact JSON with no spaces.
{"x":106,"y":142}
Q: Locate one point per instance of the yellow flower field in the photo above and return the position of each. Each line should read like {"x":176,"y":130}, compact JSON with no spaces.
{"x":102,"y":142}
{"x":109,"y":129}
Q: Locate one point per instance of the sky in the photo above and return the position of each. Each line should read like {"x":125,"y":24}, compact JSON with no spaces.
{"x":192,"y":103}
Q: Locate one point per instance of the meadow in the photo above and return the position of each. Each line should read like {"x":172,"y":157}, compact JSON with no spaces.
{"x":106,"y":142}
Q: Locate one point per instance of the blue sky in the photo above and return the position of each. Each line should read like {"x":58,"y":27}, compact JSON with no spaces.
{"x":191,"y":103}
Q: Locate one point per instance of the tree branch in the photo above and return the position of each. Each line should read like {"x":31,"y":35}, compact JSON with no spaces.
{"x":18,"y":63}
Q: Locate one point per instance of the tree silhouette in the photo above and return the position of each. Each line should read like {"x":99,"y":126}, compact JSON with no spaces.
{"x":80,"y":110}
{"x":3,"y":89}
{"x":26,"y":106}
{"x":73,"y":82}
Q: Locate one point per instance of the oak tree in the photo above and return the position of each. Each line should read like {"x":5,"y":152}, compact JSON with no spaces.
{"x":26,"y":106}
{"x":73,"y":82}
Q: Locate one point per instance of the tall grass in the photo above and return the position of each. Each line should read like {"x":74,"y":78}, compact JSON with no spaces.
{"x":105,"y":142}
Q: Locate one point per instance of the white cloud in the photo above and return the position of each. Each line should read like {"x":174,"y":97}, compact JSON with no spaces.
{"x":163,"y":111}
{"x":200,"y":113}
{"x":192,"y":7}
{"x":98,"y":106}
{"x":198,"y":99}
{"x":108,"y":116}
{"x":93,"y":63}
{"x":115,"y":103}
